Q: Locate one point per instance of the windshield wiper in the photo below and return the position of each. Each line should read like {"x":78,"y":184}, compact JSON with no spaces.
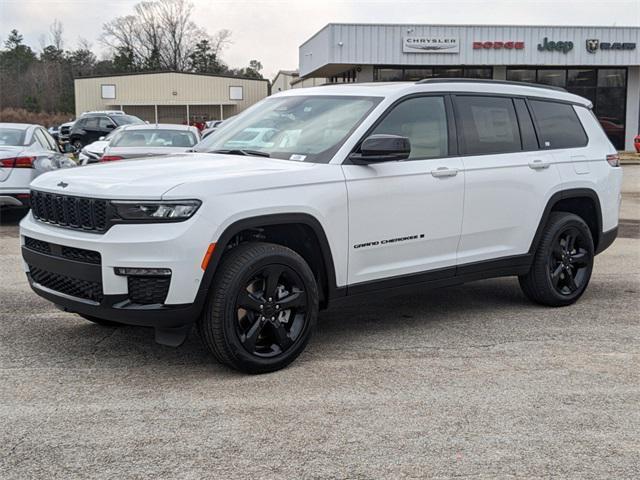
{"x":256,"y":153}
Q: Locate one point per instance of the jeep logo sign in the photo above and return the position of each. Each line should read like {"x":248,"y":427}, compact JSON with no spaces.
{"x":430,"y":45}
{"x":551,"y":46}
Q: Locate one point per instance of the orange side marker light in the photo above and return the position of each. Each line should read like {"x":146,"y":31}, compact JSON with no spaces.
{"x":207,"y":256}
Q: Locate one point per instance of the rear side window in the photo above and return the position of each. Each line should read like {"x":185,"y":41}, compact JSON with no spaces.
{"x":424,"y":121}
{"x":558,"y":125}
{"x":488,"y":124}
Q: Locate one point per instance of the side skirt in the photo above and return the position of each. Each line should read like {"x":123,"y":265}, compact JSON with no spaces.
{"x":445,"y":277}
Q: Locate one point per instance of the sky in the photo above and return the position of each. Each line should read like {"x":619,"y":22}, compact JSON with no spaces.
{"x":272,"y":30}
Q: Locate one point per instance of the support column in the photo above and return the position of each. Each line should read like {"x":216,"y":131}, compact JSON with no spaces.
{"x":221,"y":113}
{"x":155,"y":109}
{"x":632,"y":120}
{"x":500,"y":72}
{"x":188,"y":116}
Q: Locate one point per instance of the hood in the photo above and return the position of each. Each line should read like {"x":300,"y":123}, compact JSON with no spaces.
{"x":131,"y":179}
{"x":97,"y":147}
{"x":144,"y":152}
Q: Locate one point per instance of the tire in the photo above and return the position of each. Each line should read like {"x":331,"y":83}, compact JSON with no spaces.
{"x":99,"y":321}
{"x":562,"y":264}
{"x":263,"y":336}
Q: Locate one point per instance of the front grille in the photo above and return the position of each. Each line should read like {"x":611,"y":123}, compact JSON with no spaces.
{"x":65,"y":130}
{"x":67,"y":285}
{"x":88,"y":214}
{"x":148,"y":290}
{"x":72,"y":253}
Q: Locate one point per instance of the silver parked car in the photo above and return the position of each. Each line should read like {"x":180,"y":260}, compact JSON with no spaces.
{"x":137,"y":141}
{"x":26,"y":151}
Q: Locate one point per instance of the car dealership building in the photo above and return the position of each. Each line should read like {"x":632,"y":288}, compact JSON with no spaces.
{"x":599,"y":63}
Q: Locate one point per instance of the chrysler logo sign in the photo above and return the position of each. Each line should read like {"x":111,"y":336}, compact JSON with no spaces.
{"x":430,"y":45}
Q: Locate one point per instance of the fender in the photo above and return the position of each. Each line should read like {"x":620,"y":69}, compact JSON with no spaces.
{"x":563,"y":195}
{"x":267,"y":220}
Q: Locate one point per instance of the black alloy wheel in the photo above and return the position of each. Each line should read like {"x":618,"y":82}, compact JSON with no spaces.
{"x":271,"y":311}
{"x":262,"y":308}
{"x":569,"y":261}
{"x":563,"y":261}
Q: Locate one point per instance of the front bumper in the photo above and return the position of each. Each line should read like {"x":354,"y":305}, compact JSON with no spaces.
{"x":91,"y":286}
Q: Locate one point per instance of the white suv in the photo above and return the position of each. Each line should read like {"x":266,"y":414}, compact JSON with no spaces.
{"x":361,"y":188}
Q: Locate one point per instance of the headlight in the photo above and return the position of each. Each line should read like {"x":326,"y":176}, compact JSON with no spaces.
{"x":163,"y":211}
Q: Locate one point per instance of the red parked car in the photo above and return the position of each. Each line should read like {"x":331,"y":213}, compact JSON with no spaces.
{"x":636,"y":143}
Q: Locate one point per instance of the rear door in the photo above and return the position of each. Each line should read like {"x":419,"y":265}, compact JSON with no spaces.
{"x":405,"y":216}
{"x":508,"y":178}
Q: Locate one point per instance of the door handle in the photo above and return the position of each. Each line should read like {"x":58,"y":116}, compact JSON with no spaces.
{"x":538,"y":165}
{"x":444,"y":172}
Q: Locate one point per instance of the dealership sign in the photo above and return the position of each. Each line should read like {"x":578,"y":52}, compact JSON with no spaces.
{"x":498,"y":45}
{"x":594,"y":44}
{"x":430,"y":45}
{"x":555,"y":46}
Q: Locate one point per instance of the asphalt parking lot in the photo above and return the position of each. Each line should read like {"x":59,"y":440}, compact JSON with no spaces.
{"x":471,"y":381}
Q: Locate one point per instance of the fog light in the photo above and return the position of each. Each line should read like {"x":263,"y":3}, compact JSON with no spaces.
{"x":143,"y":272}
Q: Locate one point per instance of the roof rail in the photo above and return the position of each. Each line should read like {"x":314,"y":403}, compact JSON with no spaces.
{"x":482,"y":80}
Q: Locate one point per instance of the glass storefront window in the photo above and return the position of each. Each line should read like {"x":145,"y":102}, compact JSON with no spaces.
{"x":388,"y":74}
{"x":478,"y":72}
{"x":581,"y":77}
{"x":556,"y":78}
{"x":612,"y":77}
{"x":447,"y":72}
{"x":415,"y":74}
{"x":522,"y":75}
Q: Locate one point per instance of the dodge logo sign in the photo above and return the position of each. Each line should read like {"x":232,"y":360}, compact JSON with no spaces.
{"x":430,"y":45}
{"x":510,"y":45}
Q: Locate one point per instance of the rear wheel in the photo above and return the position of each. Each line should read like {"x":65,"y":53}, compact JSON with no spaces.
{"x":262,"y":308}
{"x":562,"y":264}
{"x":99,"y":321}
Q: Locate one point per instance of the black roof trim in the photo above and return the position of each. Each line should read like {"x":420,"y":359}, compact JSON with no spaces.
{"x":481,"y":80}
{"x":155,"y":72}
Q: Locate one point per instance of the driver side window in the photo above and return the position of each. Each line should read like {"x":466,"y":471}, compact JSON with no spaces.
{"x":424,"y":121}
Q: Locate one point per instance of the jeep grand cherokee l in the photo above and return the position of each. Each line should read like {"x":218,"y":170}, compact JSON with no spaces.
{"x":358,"y":188}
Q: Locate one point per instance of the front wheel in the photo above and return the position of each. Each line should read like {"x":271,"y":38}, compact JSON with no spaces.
{"x":262,"y":308}
{"x":562,"y":263}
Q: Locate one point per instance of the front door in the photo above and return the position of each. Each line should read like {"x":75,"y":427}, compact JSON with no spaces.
{"x":405,"y":217}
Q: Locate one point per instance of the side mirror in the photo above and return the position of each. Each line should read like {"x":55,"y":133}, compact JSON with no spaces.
{"x":382,"y":148}
{"x":110,"y":126}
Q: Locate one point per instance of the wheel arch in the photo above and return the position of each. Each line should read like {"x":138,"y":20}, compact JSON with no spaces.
{"x":313,"y":245}
{"x":583,"y":202}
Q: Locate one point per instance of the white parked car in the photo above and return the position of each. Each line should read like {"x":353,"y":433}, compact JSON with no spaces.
{"x":142,"y":141}
{"x":26,"y":151}
{"x":93,"y":152}
{"x":361,"y":189}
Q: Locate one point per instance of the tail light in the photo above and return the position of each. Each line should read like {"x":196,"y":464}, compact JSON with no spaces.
{"x":614,"y":160}
{"x":110,"y":158}
{"x":17,"y":162}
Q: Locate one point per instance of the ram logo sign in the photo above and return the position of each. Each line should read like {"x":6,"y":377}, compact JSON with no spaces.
{"x":430,"y":45}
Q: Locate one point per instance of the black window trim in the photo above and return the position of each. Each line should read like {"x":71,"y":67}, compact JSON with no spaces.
{"x":537,"y":127}
{"x":452,"y":142}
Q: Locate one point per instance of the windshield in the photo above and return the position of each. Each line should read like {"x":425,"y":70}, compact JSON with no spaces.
{"x":125,"y":119}
{"x":301,"y":128}
{"x":154,"y":138}
{"x":12,"y":136}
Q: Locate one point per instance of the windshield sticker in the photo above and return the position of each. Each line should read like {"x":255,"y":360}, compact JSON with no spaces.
{"x":297,"y":157}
